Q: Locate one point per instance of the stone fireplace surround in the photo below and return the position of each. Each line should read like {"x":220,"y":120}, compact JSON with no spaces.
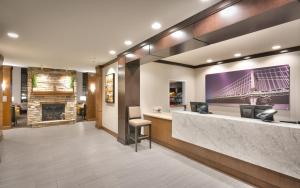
{"x":34,"y":114}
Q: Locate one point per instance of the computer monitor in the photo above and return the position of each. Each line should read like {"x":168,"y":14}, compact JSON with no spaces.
{"x":259,"y":109}
{"x":247,"y":111}
{"x":201,"y":107}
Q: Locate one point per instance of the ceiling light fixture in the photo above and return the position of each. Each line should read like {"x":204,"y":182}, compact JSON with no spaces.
{"x":12,"y":35}
{"x":209,"y":61}
{"x":112,"y":52}
{"x":276,"y":47}
{"x":219,"y":63}
{"x":283,"y":51}
{"x":156,"y":25}
{"x":128,"y":42}
{"x":247,"y":57}
{"x":237,"y":55}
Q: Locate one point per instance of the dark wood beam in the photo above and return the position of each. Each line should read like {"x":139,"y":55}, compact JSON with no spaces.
{"x":174,"y":63}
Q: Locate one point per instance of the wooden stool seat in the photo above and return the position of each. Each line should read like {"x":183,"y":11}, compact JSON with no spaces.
{"x":139,"y":122}
{"x":136,"y":122}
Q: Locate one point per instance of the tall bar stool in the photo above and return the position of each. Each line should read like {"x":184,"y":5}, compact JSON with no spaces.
{"x":135,"y":121}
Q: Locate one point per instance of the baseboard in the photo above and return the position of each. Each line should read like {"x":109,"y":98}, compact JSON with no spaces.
{"x":109,"y":132}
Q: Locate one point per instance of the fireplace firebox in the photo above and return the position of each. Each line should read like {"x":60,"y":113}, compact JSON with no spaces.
{"x":51,"y":112}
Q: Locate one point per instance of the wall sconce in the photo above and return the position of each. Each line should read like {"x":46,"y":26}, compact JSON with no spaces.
{"x":93,"y":87}
{"x":3,"y":85}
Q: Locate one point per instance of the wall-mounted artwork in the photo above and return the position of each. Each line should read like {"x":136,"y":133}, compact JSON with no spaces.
{"x":45,"y":82}
{"x":110,"y":88}
{"x":261,"y":86}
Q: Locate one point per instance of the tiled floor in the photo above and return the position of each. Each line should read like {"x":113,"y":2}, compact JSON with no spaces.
{"x":75,"y":156}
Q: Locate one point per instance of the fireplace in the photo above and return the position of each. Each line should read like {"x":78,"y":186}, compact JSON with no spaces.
{"x":54,"y":111}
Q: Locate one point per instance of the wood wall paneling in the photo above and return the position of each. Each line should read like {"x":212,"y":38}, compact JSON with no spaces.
{"x":128,"y":93}
{"x":1,"y":111}
{"x":161,"y":132}
{"x":91,"y":98}
{"x":6,"y":105}
{"x":98,"y":96}
{"x":245,"y":17}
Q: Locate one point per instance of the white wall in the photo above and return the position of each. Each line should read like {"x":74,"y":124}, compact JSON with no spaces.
{"x":16,"y":85}
{"x":110,"y":111}
{"x":154,"y":84}
{"x":293,"y":59}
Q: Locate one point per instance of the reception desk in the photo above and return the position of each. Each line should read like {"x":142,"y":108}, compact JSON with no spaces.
{"x":263,"y":154}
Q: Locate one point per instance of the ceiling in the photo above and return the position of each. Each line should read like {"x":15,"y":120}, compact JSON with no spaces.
{"x":286,"y":35}
{"x":78,"y":34}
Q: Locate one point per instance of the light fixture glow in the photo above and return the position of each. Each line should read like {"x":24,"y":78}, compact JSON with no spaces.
{"x":92,"y":87}
{"x":178,"y":34}
{"x":276,"y":47}
{"x":82,"y":98}
{"x":209,"y":61}
{"x":283,"y":51}
{"x":12,"y":35}
{"x":228,"y":12}
{"x":219,"y":63}
{"x":112,"y":52}
{"x":247,"y":57}
{"x":147,"y":47}
{"x":3,"y":85}
{"x":156,"y":25}
{"x":130,"y":55}
{"x":237,"y":55}
{"x":128,"y":42}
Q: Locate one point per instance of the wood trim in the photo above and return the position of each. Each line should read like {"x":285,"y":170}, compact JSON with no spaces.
{"x":98,"y":96}
{"x":51,"y":93}
{"x":162,"y":134}
{"x":174,"y":63}
{"x":6,"y":106}
{"x":91,"y":98}
{"x":109,"y":132}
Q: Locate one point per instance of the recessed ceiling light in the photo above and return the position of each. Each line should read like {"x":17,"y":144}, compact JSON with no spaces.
{"x":237,"y":55}
{"x":12,"y":35}
{"x":156,"y":25}
{"x":112,"y":52}
{"x":209,"y":61}
{"x":276,"y":47}
{"x":128,"y":42}
{"x":247,"y":57}
{"x":283,"y":51}
{"x":130,"y":55}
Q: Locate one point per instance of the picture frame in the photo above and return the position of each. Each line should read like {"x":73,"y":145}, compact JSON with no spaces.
{"x":110,"y":88}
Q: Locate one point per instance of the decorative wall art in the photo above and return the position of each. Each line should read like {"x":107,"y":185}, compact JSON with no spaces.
{"x":110,"y":88}
{"x":261,"y":86}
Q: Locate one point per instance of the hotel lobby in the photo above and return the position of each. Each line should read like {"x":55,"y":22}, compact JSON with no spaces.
{"x":200,"y":93}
